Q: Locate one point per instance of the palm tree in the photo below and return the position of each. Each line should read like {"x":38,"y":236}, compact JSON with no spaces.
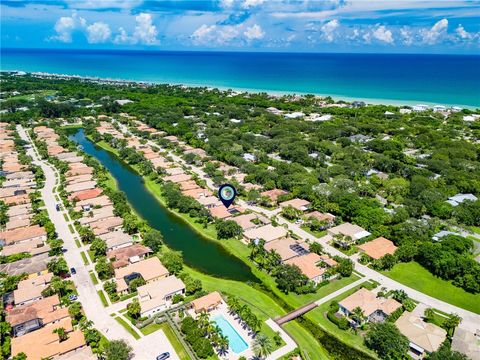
{"x":223,"y":344}
{"x":262,"y":346}
{"x":233,"y":304}
{"x":203,"y":319}
{"x":86,"y":325}
{"x":62,"y":334}
{"x":357,"y":315}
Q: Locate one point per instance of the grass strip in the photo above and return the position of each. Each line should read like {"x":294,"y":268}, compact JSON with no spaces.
{"x":127,"y":327}
{"x":94,"y":278}
{"x":102,"y":298}
{"x":84,"y":257}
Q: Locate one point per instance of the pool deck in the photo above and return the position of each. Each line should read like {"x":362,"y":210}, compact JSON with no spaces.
{"x":236,"y":323}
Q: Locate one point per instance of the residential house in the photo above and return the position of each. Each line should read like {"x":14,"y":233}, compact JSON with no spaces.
{"x":460,"y":198}
{"x":207,"y":303}
{"x":150,"y":270}
{"x":266,"y":232}
{"x":298,"y":204}
{"x":32,"y":247}
{"x":85,"y":194}
{"x":33,"y":266}
{"x":327,"y":218}
{"x":44,"y":343}
{"x":43,"y":312}
{"x":157,"y":296}
{"x":273,"y":194}
{"x":309,"y":265}
{"x":378,"y":248}
{"x":23,"y":234}
{"x":30,"y":290}
{"x":250,"y":221}
{"x":424,"y":338}
{"x":123,"y":256}
{"x":374,"y":309}
{"x":287,"y":248}
{"x":346,"y":234}
{"x":116,"y":240}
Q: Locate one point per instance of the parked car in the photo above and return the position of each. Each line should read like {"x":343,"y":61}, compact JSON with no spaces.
{"x":72,"y":297}
{"x":73,"y":271}
{"x":163,"y":356}
{"x":57,"y":207}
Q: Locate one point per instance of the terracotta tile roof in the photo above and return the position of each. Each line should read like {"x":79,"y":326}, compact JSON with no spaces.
{"x":321,"y":216}
{"x":287,"y":248}
{"x":369,"y":303}
{"x":48,"y":309}
{"x":273,"y":194}
{"x":153,"y":295}
{"x":149,"y":269}
{"x":299,"y":204}
{"x":426,"y":335}
{"x":207,"y":302}
{"x":308,"y":265}
{"x":43,"y":343}
{"x":86,"y":194}
{"x":266,"y":232}
{"x":22,"y":234}
{"x":378,"y":248}
{"x":121,"y":256}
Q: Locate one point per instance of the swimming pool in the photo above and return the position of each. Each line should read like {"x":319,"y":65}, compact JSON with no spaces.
{"x":236,"y":342}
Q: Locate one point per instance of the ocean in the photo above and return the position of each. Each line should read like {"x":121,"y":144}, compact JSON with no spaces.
{"x":377,"y":78}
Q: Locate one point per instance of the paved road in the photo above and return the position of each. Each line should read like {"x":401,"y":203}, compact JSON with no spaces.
{"x":147,"y":347}
{"x":470,"y":320}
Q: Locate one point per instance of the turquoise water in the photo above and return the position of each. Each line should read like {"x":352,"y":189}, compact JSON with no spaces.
{"x":392,"y":78}
{"x":236,"y":342}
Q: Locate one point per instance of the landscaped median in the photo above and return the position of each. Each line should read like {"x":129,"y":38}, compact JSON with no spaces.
{"x":127,"y":327}
{"x":101,"y":294}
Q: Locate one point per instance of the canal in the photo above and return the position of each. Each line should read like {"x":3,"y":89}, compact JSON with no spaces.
{"x":198,"y":252}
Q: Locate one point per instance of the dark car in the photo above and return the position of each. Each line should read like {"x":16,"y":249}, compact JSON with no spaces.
{"x":57,"y":207}
{"x":163,"y":356}
{"x":73,"y":271}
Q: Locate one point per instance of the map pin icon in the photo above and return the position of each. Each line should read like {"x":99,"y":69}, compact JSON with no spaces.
{"x":227,"y":194}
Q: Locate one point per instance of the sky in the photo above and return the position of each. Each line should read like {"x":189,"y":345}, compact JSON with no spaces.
{"x":391,"y":26}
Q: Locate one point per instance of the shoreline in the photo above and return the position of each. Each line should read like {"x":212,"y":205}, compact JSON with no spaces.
{"x":270,"y":92}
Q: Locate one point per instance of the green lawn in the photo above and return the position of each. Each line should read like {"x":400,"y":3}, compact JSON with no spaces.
{"x":146,"y":330}
{"x":94,"y":278}
{"x":177,"y":345}
{"x":127,"y":327}
{"x":349,"y":337}
{"x":263,"y":305}
{"x":317,"y":234}
{"x":102,"y":298}
{"x":77,"y":242}
{"x":70,"y":227}
{"x":65,"y":217}
{"x":84,"y":257}
{"x":417,"y":277}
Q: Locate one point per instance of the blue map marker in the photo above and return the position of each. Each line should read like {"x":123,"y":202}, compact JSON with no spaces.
{"x":227,"y":194}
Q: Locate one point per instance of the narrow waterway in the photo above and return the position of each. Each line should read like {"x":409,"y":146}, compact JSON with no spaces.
{"x":198,"y":252}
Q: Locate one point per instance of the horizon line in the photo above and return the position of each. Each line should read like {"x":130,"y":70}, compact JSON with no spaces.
{"x":236,"y":51}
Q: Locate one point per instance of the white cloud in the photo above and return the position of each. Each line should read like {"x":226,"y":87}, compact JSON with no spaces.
{"x":226,"y":3}
{"x":145,"y":32}
{"x":254,"y":32}
{"x":64,"y":27}
{"x":328,"y":30}
{"x":252,"y":3}
{"x":213,"y":35}
{"x":103,"y":4}
{"x":98,"y":32}
{"x":383,"y":34}
{"x":432,"y":35}
{"x":462,"y":33}
{"x":406,"y":35}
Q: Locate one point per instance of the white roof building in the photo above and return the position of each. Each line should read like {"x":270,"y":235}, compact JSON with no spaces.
{"x":460,"y":198}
